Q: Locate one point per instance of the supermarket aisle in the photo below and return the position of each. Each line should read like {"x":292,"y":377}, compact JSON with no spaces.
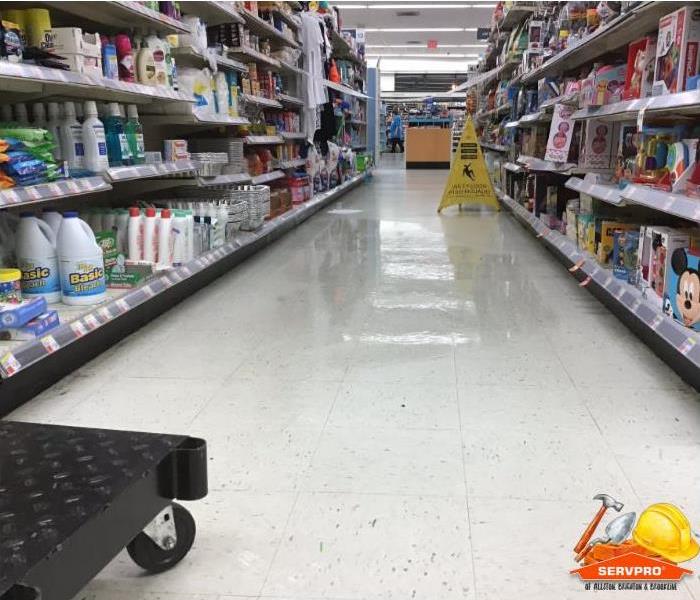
{"x":397,"y":405}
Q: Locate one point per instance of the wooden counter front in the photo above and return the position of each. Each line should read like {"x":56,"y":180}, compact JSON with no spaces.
{"x":428,"y":148}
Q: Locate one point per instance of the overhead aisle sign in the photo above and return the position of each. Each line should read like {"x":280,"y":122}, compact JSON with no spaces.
{"x":469,"y":181}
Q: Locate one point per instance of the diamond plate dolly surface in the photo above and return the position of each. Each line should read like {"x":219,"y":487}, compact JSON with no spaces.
{"x":72,"y":498}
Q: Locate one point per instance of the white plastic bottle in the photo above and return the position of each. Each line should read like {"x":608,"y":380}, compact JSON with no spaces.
{"x":6,"y":115}
{"x":53,"y":125}
{"x":179,"y":237}
{"x":81,"y":262}
{"x":222,"y":218}
{"x":121,"y":221}
{"x":72,"y":138}
{"x":135,"y":236}
{"x":39,"y":114}
{"x":94,"y":140}
{"x":158,"y":52}
{"x":189,"y":235}
{"x":53,"y":218}
{"x":93,"y":217}
{"x":109,"y":220}
{"x":150,"y":236}
{"x":35,"y":248}
{"x":21,"y":115}
{"x":165,"y":248}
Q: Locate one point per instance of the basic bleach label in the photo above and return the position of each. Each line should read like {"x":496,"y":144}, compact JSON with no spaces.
{"x":83,"y":277}
{"x":39,"y":276}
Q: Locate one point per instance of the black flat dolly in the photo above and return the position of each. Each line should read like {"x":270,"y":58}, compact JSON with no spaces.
{"x":72,"y":498}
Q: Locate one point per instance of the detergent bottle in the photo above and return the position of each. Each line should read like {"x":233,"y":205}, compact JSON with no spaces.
{"x":53,"y":125}
{"x":72,"y":138}
{"x":53,"y":218}
{"x":35,"y":247}
{"x":81,"y":262}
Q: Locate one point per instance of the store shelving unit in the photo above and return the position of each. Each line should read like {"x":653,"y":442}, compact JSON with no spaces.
{"x":678,"y":345}
{"x":28,"y":367}
{"x":601,"y":191}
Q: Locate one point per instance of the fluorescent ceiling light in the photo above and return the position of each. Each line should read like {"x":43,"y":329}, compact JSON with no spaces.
{"x":418,"y":29}
{"x":424,"y":55}
{"x":417,"y":46}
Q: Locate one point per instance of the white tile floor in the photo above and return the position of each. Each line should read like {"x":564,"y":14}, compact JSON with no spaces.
{"x":397,"y":405}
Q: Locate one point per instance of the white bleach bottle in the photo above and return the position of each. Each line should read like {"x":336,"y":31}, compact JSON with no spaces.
{"x":35,"y":248}
{"x":81,"y":262}
{"x":53,"y":218}
{"x":53,"y":125}
{"x":94,"y":140}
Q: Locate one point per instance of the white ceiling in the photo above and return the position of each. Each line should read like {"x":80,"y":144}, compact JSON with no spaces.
{"x":455,"y":49}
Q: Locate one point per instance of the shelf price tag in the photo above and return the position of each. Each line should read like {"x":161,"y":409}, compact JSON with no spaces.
{"x":166,"y":281}
{"x":585,"y":282}
{"x":577,"y":266}
{"x":187,"y":271}
{"x":78,"y":328}
{"x":658,"y":319}
{"x":122,"y":305}
{"x":50,"y":343}
{"x":91,"y":321}
{"x":104,"y":312}
{"x":9,"y":363}
{"x":687,"y":346}
{"x":148,"y":291}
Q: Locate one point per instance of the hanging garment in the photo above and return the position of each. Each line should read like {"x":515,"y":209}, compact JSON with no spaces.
{"x":315,"y":94}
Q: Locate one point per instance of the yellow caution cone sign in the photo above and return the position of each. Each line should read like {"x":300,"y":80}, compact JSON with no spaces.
{"x":469,"y":181}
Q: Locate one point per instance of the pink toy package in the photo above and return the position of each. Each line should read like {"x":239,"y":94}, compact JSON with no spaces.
{"x":676,"y":50}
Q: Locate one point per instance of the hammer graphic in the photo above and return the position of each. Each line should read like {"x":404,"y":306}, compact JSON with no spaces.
{"x":607,"y":502}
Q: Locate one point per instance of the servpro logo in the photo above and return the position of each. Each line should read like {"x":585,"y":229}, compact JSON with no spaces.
{"x":632,"y":567}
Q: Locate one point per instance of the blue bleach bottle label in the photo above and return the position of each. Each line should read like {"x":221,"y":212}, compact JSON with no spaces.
{"x":83,"y":277}
{"x":39,"y":276}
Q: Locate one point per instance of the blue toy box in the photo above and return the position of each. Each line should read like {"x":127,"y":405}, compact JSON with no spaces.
{"x":683,"y":287}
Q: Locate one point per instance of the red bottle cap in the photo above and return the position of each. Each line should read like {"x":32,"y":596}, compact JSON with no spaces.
{"x":165,"y":213}
{"x":150,"y":212}
{"x":134,"y":211}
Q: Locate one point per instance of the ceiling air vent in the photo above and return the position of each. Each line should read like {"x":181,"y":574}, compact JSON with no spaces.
{"x":407,"y":13}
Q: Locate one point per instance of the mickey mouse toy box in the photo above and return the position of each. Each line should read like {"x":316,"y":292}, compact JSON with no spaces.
{"x":683,"y":290}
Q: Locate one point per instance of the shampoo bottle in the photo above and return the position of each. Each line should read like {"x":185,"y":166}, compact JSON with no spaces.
{"x":134,"y":135}
{"x":6,"y":116}
{"x":21,"y":115}
{"x":94,"y":140}
{"x":39,"y":114}
{"x":110,"y":62}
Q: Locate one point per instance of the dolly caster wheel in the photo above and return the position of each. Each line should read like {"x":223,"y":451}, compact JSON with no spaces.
{"x":165,"y":541}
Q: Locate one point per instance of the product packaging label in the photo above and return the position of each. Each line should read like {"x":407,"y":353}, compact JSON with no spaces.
{"x":140,"y":146}
{"x":82,"y":277}
{"x":124,"y":145}
{"x":39,"y":276}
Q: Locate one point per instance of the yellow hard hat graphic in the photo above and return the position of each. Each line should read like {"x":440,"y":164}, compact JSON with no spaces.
{"x":665,"y":530}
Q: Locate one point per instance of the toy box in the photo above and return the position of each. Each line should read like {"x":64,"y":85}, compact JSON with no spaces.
{"x":644,"y":254}
{"x":683,"y":287}
{"x":597,"y":141}
{"x":664,"y":242}
{"x":626,"y":154}
{"x":609,"y":84}
{"x":639,"y":78}
{"x":676,"y":50}
{"x":605,"y":239}
{"x":625,"y":248}
{"x":560,"y":134}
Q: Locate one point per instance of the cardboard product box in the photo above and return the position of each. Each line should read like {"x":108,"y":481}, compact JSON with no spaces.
{"x":72,"y":40}
{"x":676,"y":50}
{"x":639,"y":77}
{"x":86,"y":65}
{"x":119,"y":272}
{"x":644,"y":254}
{"x":682,"y":296}
{"x":597,"y":142}
{"x":606,"y":239}
{"x":609,"y":84}
{"x":626,"y":153}
{"x":560,"y":134}
{"x":664,"y":241}
{"x":584,"y":223}
{"x":625,"y":259}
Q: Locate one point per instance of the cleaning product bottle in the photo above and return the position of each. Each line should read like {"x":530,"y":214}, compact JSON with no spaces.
{"x":53,"y":218}
{"x":125,"y":56}
{"x":135,"y":235}
{"x":93,"y":217}
{"x":81,"y":262}
{"x":35,"y":248}
{"x":6,"y":115}
{"x":110,"y":62}
{"x":53,"y":125}
{"x":94,"y":140}
{"x":179,"y":237}
{"x":150,"y":236}
{"x":158,"y":52}
{"x":39,"y":114}
{"x":117,"y":144}
{"x":145,"y":63}
{"x":21,"y":115}
{"x":122,"y":225}
{"x":165,"y":248}
{"x":72,"y":139}
{"x":109,"y":220}
{"x":134,"y":135}
{"x":79,"y":114}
